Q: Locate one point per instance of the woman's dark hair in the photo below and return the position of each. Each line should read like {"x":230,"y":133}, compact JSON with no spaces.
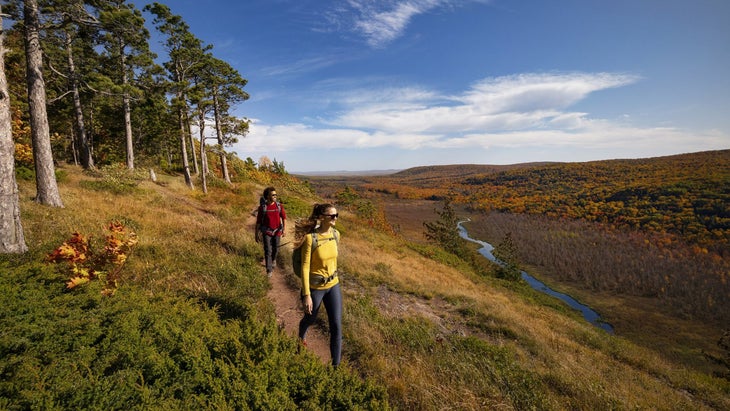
{"x":319,"y":209}
{"x":302,"y":227}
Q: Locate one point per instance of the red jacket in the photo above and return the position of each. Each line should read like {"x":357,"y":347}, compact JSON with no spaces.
{"x":270,"y":219}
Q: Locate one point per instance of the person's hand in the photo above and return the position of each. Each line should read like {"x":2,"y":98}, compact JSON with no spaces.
{"x":258,"y":236}
{"x":307,"y":302}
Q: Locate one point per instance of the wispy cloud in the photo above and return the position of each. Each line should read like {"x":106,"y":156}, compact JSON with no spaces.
{"x":304,"y":65}
{"x":495,"y":104}
{"x":514,"y":111}
{"x":380,"y":22}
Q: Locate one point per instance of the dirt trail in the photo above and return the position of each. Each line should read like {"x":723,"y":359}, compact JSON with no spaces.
{"x":289,"y":309}
{"x":284,"y":296}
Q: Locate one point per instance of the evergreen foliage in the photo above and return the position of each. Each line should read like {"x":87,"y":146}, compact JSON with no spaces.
{"x":444,"y":231}
{"x":80,"y":350}
{"x":506,"y":252}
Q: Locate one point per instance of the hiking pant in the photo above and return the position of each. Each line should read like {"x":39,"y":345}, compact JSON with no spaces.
{"x":332,"y":299}
{"x":271,"y":248}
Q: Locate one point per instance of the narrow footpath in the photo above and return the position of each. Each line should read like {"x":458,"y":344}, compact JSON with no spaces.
{"x":288,"y":306}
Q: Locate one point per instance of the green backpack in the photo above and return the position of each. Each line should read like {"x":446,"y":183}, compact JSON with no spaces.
{"x":296,"y":255}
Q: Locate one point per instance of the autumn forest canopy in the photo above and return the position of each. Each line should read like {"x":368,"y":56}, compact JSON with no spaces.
{"x":655,"y":227}
{"x":686,"y":197}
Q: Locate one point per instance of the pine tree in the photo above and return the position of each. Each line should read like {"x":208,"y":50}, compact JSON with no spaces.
{"x":445,"y":232}
{"x":506,"y":252}
{"x":12,"y":239}
{"x":46,"y":185}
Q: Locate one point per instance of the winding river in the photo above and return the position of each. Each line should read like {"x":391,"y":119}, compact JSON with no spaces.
{"x":590,"y":315}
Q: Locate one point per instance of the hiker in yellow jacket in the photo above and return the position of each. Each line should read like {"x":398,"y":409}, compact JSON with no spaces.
{"x":319,"y":274}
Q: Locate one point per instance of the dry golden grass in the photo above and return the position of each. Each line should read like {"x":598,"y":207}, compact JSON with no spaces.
{"x":165,"y":216}
{"x":581,"y":366}
{"x":438,"y":336}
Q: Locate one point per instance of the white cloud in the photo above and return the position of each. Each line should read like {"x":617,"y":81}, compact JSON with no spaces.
{"x":380,"y":22}
{"x":292,"y":137}
{"x":301,"y":66}
{"x":542,"y":90}
{"x":528,"y":111}
{"x":497,"y":104}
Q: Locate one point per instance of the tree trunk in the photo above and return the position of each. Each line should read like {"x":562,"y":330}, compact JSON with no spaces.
{"x":46,"y":186}
{"x":183,"y":149}
{"x":219,"y":134}
{"x":127,"y":109}
{"x":203,"y":158}
{"x":74,"y":150}
{"x":196,"y":170}
{"x":11,"y":230}
{"x":87,"y":161}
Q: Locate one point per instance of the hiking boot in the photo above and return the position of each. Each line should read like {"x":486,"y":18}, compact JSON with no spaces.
{"x":268,"y":274}
{"x":302,"y":343}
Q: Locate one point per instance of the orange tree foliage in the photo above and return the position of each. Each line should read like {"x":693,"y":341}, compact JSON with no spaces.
{"x":21,"y":137}
{"x":685,"y":195}
{"x":363,"y":208}
{"x":84,"y":264}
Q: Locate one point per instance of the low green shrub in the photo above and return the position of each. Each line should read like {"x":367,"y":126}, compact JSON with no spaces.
{"x":116,"y":179}
{"x":24,"y":173}
{"x":78,"y":349}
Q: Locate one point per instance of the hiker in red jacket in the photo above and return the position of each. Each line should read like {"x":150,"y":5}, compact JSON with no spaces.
{"x":270,"y":224}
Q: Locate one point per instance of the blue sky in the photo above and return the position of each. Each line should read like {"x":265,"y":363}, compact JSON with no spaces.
{"x":384,"y":84}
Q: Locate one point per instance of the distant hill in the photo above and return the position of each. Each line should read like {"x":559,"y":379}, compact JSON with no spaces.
{"x":687,"y":195}
{"x":344,"y":173}
{"x":461,"y":170}
{"x":450,"y":171}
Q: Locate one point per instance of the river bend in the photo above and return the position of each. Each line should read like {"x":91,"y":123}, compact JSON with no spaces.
{"x":589,"y":314}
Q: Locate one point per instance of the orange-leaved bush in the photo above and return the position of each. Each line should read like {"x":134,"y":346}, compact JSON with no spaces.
{"x":84,"y":264}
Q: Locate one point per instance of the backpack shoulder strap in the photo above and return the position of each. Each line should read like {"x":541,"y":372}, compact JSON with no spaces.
{"x":266,"y":208}
{"x":335,"y":235}
{"x":314,"y":241}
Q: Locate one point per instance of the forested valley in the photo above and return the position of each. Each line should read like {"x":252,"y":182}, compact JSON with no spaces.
{"x":668,"y":220}
{"x":633,"y":237}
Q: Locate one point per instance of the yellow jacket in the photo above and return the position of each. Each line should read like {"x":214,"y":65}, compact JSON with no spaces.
{"x":322,"y":263}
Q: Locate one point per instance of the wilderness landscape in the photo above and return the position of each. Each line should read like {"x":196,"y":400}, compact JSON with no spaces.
{"x":649,"y":236}
{"x":184,"y":320}
{"x":130,"y":278}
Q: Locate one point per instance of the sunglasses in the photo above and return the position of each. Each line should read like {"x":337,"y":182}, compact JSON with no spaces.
{"x":331,"y":215}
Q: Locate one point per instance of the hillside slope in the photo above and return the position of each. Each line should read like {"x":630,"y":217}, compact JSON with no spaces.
{"x":419,"y":321}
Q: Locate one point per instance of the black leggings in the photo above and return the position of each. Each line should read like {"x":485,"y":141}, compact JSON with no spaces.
{"x":332,"y":299}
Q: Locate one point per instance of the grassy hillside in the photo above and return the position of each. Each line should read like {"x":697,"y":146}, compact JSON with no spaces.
{"x":655,"y":229}
{"x":187,"y":325}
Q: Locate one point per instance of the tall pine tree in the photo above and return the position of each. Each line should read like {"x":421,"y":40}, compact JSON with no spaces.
{"x":12,"y":239}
